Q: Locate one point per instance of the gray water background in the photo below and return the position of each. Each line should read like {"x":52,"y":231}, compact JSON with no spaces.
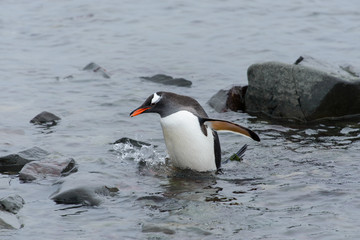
{"x":299,"y":182}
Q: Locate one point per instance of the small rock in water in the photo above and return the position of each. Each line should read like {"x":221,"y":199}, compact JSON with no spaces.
{"x":9,"y":206}
{"x":93,"y":67}
{"x":13,"y":163}
{"x":168,"y":80}
{"x":45,"y":118}
{"x":146,"y":228}
{"x":45,"y":168}
{"x":12,"y":203}
{"x":82,"y":189}
{"x":9,"y":221}
{"x":232,"y":99}
{"x":133,"y":142}
{"x":84,"y":195}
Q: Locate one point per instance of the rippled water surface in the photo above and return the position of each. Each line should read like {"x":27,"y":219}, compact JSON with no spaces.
{"x":299,"y":182}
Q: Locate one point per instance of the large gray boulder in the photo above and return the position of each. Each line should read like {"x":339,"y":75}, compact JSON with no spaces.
{"x":308,"y":90}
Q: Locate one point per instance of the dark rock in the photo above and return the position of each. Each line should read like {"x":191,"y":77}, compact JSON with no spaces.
{"x":13,"y":163}
{"x":310,"y":90}
{"x":83,"y":189}
{"x":45,"y":118}
{"x":47,"y":168}
{"x":232,"y":99}
{"x":12,"y":203}
{"x":133,"y":142}
{"x":93,"y":67}
{"x":168,"y":80}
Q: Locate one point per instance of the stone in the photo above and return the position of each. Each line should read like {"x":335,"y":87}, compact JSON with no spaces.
{"x":12,"y":203}
{"x":84,"y":189}
{"x":168,"y":80}
{"x":135,"y":143}
{"x":45,"y":118}
{"x":152,"y":228}
{"x":9,"y":221}
{"x":9,"y":206}
{"x":13,"y":163}
{"x":232,"y":99}
{"x":93,"y":67}
{"x":306,"y":91}
{"x":47,"y":168}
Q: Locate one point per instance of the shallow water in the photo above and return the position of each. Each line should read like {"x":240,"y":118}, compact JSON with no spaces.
{"x":299,"y":182}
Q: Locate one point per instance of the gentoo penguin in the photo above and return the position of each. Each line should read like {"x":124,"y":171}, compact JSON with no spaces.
{"x":190,"y":136}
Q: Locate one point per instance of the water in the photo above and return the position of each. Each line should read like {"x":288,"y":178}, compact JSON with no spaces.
{"x":299,"y":182}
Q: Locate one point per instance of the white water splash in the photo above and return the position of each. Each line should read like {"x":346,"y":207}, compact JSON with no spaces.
{"x":143,"y":155}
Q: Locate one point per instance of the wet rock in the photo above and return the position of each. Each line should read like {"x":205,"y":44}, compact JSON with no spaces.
{"x":47,"y":168}
{"x":168,"y":80}
{"x":83,"y":190}
{"x":12,"y":203}
{"x":85,"y":195}
{"x":351,"y":70}
{"x":9,"y":206}
{"x":306,"y":91}
{"x":9,"y":221}
{"x":133,"y":142}
{"x":93,"y":67}
{"x":13,"y":163}
{"x":45,"y":118}
{"x":232,"y":99}
{"x":146,"y":228}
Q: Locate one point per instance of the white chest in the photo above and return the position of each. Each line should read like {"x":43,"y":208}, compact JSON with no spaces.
{"x":187,"y":145}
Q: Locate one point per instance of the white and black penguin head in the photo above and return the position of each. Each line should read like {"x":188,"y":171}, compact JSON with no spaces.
{"x":155,"y":98}
{"x":167,"y":103}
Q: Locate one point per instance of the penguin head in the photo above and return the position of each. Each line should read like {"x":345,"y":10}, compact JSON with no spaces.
{"x":166,"y":103}
{"x":153,"y":104}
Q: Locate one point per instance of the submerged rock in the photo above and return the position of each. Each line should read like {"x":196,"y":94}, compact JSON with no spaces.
{"x":133,"y":142}
{"x":85,"y":195}
{"x":232,"y":99}
{"x":13,"y":163}
{"x":308,"y":90}
{"x":93,"y":67}
{"x":45,"y":118}
{"x":47,"y":168}
{"x":82,"y":189}
{"x":168,"y":80}
{"x":157,"y":228}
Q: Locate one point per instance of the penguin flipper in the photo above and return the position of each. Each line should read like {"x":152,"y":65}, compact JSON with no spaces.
{"x":222,"y":125}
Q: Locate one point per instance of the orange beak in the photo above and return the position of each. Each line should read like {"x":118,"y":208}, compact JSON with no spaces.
{"x":138,"y":111}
